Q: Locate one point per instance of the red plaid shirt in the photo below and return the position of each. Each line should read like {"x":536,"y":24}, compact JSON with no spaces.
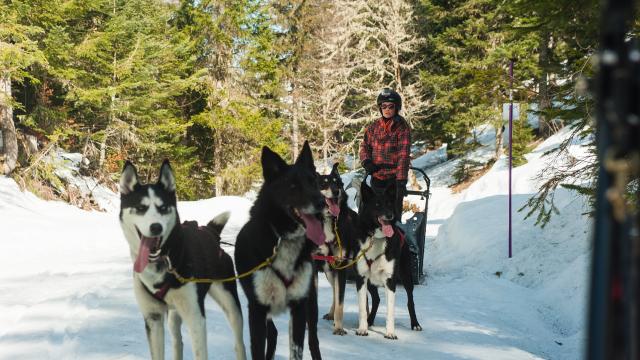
{"x":387,"y":143}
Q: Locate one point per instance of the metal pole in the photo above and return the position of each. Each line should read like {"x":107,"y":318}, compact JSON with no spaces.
{"x":510,"y":146}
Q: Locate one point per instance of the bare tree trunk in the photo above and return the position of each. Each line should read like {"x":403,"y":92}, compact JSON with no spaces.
{"x":103,"y":148}
{"x":295,"y":127}
{"x":217,"y":162}
{"x":397,"y":69}
{"x":9,"y":154}
{"x":217,"y":139}
{"x":499,"y":150}
{"x":543,"y":86}
{"x":114,"y":78}
{"x":325,"y":147}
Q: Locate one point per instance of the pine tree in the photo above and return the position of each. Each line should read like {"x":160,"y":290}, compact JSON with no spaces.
{"x":239,"y":113}
{"x":18,"y":50}
{"x":469,"y":49}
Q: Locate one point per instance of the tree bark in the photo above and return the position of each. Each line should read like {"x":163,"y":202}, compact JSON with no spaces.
{"x":295,"y":127}
{"x":325,"y":147}
{"x":543,"y":86}
{"x":114,"y":78}
{"x":217,"y":162}
{"x":10,"y":140}
{"x":499,"y":132}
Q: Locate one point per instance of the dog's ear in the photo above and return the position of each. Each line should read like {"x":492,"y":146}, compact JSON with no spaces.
{"x":334,"y":169}
{"x":217,"y":224}
{"x":365,"y":191}
{"x":305,"y":159}
{"x":128,"y":179}
{"x":166,"y":177}
{"x":272,"y":164}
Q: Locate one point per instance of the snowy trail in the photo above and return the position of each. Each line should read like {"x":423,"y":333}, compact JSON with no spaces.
{"x":65,"y":283}
{"x":77,"y":302}
{"x":92,"y":315}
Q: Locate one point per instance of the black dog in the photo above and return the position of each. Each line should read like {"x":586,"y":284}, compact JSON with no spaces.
{"x":385,"y":262}
{"x":283,"y":229}
{"x":342,"y":242}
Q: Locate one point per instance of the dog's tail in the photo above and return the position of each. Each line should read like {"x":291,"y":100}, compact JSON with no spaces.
{"x":217,"y":224}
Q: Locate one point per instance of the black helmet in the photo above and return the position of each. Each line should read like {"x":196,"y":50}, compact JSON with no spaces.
{"x":389,"y":95}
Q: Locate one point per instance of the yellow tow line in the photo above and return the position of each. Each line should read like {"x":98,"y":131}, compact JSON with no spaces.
{"x":266,"y":263}
{"x":184,"y":280}
{"x":332,"y":263}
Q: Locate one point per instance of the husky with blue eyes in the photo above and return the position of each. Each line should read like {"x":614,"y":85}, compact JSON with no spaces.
{"x":158,"y":242}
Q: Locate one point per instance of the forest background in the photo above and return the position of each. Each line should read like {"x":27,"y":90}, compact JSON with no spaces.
{"x":207,"y":83}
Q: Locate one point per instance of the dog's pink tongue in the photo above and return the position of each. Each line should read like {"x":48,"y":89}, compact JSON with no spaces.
{"x":334,"y":209}
{"x":387,"y":229}
{"x":314,"y":228}
{"x":143,"y":255}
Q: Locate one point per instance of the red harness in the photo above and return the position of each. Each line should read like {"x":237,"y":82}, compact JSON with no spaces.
{"x":329,"y":258}
{"x":402,"y":237}
{"x":285,"y":281}
{"x":162,"y":292}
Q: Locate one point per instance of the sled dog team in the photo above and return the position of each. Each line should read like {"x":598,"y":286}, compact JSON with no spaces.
{"x":298,"y":215}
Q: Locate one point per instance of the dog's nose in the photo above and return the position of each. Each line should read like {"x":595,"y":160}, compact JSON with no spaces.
{"x":155,"y":228}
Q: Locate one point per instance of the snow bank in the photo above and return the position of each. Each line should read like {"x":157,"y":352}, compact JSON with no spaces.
{"x":431,"y":158}
{"x":68,"y":169}
{"x":552,"y":261}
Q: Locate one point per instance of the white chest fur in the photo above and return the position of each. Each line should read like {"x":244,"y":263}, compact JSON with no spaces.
{"x":270,"y":288}
{"x":152,"y":274}
{"x":380,"y":269}
{"x":328,"y":229}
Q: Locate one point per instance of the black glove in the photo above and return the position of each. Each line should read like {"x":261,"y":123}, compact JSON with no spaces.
{"x":370,"y":167}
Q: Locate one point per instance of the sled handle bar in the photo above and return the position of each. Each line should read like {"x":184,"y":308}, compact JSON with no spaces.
{"x":426,"y":178}
{"x":427,"y":181}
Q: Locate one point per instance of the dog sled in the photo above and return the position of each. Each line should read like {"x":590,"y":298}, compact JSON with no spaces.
{"x":415,"y":230}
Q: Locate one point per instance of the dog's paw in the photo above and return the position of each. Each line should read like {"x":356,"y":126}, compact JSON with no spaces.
{"x":370,"y":321}
{"x":340,"y":332}
{"x":416,"y":327}
{"x":391,"y":336}
{"x":327,"y":316}
{"x":361,"y":332}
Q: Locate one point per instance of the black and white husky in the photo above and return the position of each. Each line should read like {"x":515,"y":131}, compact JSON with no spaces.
{"x":342,"y":240}
{"x":158,"y":242}
{"x":386,"y":260}
{"x":284,"y":226}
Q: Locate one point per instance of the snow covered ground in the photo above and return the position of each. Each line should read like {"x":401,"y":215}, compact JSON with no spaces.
{"x":65,"y":279}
